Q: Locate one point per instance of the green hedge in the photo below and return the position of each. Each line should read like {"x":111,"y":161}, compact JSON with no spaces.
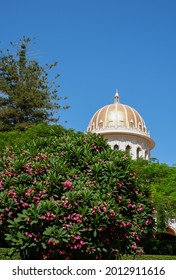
{"x":4,"y":256}
{"x":149,"y":257}
{"x":17,"y":137}
{"x":164,"y":244}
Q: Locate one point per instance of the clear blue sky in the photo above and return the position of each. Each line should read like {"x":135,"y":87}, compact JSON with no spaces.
{"x":102,"y":45}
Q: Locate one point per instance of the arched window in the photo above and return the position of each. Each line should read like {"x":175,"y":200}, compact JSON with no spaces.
{"x":128,"y":148}
{"x":116,"y":147}
{"x":138,"y":152}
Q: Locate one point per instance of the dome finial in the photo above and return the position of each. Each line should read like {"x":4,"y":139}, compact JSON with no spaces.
{"x":116,"y":97}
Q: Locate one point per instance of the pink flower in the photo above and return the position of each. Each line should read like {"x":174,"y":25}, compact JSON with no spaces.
{"x":43,"y":156}
{"x":96,"y":209}
{"x":37,"y":158}
{"x":139,"y":209}
{"x":148,"y":222}
{"x":111,"y":213}
{"x":141,"y":251}
{"x":134,"y":246}
{"x":9,"y":174}
{"x":35,"y":181}
{"x":68,"y":185}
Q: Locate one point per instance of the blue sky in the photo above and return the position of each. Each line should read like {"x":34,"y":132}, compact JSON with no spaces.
{"x":102,"y":45}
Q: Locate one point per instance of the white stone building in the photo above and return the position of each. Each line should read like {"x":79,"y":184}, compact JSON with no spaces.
{"x":124,"y":129}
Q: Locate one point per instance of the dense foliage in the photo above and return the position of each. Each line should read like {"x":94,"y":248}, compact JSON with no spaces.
{"x":69,"y":196}
{"x":27,"y":96}
{"x":161,"y":179}
{"x":18,"y":137}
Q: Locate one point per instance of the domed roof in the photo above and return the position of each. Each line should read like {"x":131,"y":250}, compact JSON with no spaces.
{"x":119,"y":118}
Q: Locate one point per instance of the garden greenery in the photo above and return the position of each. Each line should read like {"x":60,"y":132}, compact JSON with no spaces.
{"x":69,"y":196}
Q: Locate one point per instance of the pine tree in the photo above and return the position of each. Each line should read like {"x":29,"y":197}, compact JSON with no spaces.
{"x":26,"y":94}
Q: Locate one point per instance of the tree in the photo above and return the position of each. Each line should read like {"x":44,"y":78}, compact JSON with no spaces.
{"x":161,"y":180}
{"x":26,"y":94}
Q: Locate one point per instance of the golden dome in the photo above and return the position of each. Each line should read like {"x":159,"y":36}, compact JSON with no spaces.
{"x":119,"y":118}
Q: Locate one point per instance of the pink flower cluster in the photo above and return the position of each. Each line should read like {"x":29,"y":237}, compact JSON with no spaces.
{"x":31,"y":169}
{"x":10,"y":174}
{"x":139,"y":208}
{"x":8,"y":164}
{"x":28,"y":192}
{"x":134,"y":246}
{"x":40,"y":157}
{"x":75,"y":217}
{"x":36,"y":196}
{"x":66,"y":203}
{"x":49,"y":216}
{"x":148,"y":222}
{"x":111,"y":213}
{"x":13,"y":195}
{"x":134,"y":234}
{"x":51,"y":242}
{"x":11,"y":156}
{"x":1,"y":184}
{"x":35,"y":237}
{"x":28,"y":168}
{"x":68,"y":185}
{"x":131,"y":205}
{"x":77,"y":243}
{"x":127,"y":224}
{"x":101,"y":208}
{"x":136,"y":249}
{"x":96,"y":209}
{"x":6,"y":214}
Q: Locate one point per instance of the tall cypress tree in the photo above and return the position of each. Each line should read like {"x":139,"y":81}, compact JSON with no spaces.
{"x":27,"y":96}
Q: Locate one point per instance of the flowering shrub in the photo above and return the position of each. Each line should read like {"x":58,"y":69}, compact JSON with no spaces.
{"x":71,"y":197}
